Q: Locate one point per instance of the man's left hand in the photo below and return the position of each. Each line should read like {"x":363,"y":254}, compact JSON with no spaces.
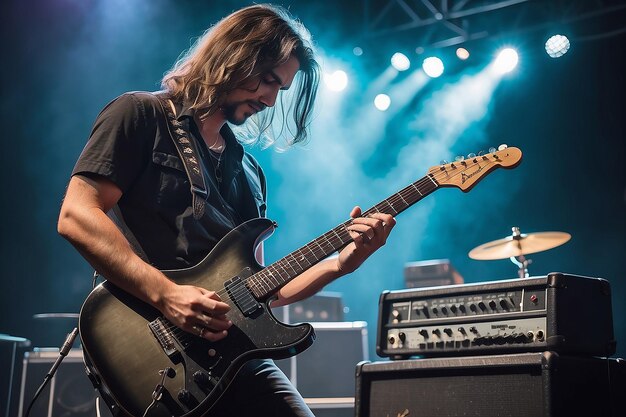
{"x":368,"y":235}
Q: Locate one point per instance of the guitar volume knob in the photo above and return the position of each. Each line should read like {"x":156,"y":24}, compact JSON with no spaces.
{"x":184,"y":396}
{"x":201,"y":378}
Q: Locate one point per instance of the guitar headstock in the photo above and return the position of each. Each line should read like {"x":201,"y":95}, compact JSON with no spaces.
{"x":465,"y":173}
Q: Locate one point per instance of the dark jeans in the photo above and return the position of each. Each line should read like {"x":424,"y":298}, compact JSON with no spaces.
{"x":261,"y":389}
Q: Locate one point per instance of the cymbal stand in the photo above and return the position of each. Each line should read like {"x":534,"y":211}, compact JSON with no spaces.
{"x":522,"y":263}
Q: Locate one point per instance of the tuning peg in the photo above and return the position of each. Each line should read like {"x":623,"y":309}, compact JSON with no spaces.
{"x":443,"y":162}
{"x":502,"y":147}
{"x":492,"y":149}
{"x":471,"y":155}
{"x":459,"y":158}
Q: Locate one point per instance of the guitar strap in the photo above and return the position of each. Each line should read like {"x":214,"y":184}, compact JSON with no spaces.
{"x":188,"y":154}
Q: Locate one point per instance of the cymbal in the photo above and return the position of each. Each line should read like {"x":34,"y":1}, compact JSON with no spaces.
{"x":19,"y":341}
{"x":518,"y":245}
{"x":56,"y":316}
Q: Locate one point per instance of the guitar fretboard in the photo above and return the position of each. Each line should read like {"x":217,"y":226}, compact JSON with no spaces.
{"x":273,"y":277}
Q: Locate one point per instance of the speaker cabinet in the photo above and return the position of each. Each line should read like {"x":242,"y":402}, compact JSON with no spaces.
{"x":324,"y":373}
{"x":324,"y":306}
{"x":542,"y":384}
{"x":69,"y":394}
{"x":12,"y":350}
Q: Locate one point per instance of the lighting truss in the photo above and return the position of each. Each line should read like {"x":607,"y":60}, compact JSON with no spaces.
{"x":442,"y":23}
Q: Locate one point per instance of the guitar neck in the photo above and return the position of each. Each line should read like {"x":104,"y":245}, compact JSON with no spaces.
{"x":269,"y":280}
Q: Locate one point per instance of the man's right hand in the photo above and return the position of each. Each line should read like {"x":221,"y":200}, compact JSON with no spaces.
{"x":196,"y":310}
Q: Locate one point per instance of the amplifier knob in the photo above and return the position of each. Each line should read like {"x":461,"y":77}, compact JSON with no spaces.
{"x":435,"y":310}
{"x":473,"y":329}
{"x":448,"y":331}
{"x":391,"y":339}
{"x":504,"y":304}
{"x":453,"y":309}
{"x":437,"y":332}
{"x":424,"y":333}
{"x":462,"y":308}
{"x":444,"y":311}
{"x":462,"y":330}
{"x":482,"y":306}
{"x":492,"y":304}
{"x":402,"y":337}
{"x":521,"y":338}
{"x":473,"y":307}
{"x":396,"y":316}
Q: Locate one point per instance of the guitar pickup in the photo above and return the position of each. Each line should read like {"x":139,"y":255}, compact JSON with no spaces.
{"x":241,"y":295}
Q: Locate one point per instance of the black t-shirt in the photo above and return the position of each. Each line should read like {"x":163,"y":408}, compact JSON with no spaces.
{"x":130,"y":145}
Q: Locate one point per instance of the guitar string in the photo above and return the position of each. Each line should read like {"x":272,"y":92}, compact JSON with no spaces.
{"x":257,"y":281}
{"x":288,"y":261}
{"x":411,"y":192}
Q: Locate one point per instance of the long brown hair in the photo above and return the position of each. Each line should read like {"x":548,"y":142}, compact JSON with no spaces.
{"x":244,"y":45}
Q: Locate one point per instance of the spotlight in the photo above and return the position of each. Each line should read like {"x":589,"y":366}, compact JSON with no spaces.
{"x":400,"y":61}
{"x":506,"y":61}
{"x":462,"y":54}
{"x":337,"y":81}
{"x":382,"y":102}
{"x":433,"y":67}
{"x":557,"y":46}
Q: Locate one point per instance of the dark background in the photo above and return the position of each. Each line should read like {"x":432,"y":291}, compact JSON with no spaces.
{"x":63,"y":60}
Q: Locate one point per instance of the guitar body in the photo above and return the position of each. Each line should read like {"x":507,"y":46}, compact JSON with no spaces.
{"x":128,"y":344}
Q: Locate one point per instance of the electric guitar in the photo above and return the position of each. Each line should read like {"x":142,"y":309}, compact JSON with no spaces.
{"x":144,"y":365}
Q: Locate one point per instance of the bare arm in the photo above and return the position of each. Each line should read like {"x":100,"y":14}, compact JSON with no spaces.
{"x":83,"y":222}
{"x":368,"y":233}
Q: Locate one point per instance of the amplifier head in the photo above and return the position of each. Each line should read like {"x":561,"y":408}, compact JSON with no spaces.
{"x":560,"y":312}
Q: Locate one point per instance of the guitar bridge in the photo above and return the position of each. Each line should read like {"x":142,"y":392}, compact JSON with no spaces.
{"x":164,"y":335}
{"x":241,"y":295}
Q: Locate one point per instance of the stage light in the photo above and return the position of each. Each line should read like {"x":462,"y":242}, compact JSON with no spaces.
{"x":462,"y":54}
{"x":382,"y":102}
{"x":433,"y":67}
{"x":337,"y":81}
{"x":400,"y":61}
{"x":506,"y":61}
{"x":557,"y":46}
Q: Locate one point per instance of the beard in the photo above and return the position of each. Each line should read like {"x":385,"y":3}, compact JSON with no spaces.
{"x":230,"y":113}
